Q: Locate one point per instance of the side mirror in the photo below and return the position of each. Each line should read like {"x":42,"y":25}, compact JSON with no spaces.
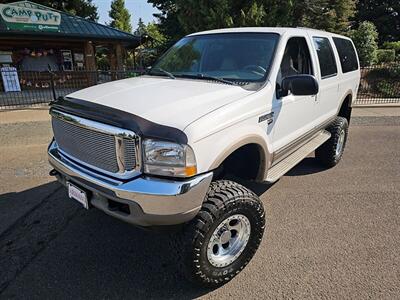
{"x":299,"y":85}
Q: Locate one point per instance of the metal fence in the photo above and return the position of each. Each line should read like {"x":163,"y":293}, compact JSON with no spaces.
{"x":379,"y":85}
{"x":20,"y":89}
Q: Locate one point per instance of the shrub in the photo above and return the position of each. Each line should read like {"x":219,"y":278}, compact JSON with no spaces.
{"x":384,"y":80}
{"x":102,"y":62}
{"x":392,"y":45}
{"x":382,"y":72}
{"x":388,"y":88}
{"x":365,"y":39}
{"x":385,"y":56}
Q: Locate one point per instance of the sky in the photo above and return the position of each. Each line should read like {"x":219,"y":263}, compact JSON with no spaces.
{"x":137,"y":8}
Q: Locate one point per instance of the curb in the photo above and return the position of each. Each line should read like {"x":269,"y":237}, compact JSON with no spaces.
{"x":376,"y":105}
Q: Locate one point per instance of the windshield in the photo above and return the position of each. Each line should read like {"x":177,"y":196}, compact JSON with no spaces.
{"x":237,"y":57}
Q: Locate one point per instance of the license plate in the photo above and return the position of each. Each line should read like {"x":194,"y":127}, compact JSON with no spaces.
{"x":78,"y":195}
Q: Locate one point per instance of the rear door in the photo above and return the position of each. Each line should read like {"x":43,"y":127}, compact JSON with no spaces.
{"x":349,"y":65}
{"x":328,"y":77}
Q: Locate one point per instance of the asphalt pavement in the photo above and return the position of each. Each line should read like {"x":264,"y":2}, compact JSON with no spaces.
{"x":330,"y":233}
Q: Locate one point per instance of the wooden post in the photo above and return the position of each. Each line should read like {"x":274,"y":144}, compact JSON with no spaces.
{"x":90,"y":63}
{"x":112,"y":61}
{"x":119,"y":56}
{"x":116,"y":59}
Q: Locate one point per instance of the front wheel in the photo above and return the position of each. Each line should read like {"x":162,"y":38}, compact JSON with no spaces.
{"x":225,"y":234}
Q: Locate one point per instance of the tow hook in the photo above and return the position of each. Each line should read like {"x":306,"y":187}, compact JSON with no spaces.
{"x":53,"y":172}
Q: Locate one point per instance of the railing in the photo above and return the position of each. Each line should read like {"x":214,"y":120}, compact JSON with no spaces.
{"x":379,"y":85}
{"x":30,"y":88}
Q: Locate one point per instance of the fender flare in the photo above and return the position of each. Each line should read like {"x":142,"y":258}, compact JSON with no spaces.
{"x":348,"y":93}
{"x":265,"y":153}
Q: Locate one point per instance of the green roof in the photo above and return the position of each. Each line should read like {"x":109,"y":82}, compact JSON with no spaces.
{"x":71,"y":27}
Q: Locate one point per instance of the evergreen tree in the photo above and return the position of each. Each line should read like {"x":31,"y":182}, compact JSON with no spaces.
{"x":121,"y":18}
{"x":329,"y":15}
{"x":194,"y":15}
{"x":168,"y":20}
{"x":152,"y":46}
{"x":385,"y":14}
{"x":180,"y":17}
{"x":82,"y":8}
{"x":153,"y":30}
{"x":141,"y":28}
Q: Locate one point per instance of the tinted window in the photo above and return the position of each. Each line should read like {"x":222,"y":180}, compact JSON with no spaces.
{"x":326,"y":58}
{"x":296,"y":59}
{"x":231,"y":56}
{"x":347,"y":55}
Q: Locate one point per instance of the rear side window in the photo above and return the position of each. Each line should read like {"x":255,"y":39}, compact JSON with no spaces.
{"x":347,"y":54}
{"x":327,"y":62}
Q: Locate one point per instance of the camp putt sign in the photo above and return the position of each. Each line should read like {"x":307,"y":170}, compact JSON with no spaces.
{"x":26,"y":15}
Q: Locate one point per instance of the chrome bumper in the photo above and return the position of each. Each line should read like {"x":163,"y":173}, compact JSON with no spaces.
{"x":151,"y":201}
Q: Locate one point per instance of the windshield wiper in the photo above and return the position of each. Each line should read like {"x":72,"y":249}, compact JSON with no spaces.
{"x":169,"y":74}
{"x":207,"y":77}
{"x":219,"y":79}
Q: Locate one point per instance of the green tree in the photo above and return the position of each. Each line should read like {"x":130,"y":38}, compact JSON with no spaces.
{"x":121,"y":18}
{"x":151,"y":48}
{"x":365,"y":39}
{"x":196,"y":15}
{"x":392,"y":45}
{"x":180,"y":17}
{"x":141,"y":28}
{"x":82,"y":8}
{"x":385,"y":14}
{"x":329,"y":15}
{"x":159,"y":39}
{"x":168,"y":20}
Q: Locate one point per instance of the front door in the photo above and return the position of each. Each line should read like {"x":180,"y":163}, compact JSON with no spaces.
{"x":293,"y":114}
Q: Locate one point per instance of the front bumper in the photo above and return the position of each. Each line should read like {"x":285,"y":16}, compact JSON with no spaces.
{"x":152,"y":201}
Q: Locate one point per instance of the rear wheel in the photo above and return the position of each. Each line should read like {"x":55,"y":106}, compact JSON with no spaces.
{"x":225,"y":234}
{"x":330,"y":153}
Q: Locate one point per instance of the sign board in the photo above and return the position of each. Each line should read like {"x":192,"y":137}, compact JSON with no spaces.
{"x":6,"y":57}
{"x":10,"y":79}
{"x":28,"y":16}
{"x":78,"y":57}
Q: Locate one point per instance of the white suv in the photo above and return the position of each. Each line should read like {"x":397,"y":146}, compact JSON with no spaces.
{"x":223,"y":105}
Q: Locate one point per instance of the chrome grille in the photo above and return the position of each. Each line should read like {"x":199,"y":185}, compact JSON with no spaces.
{"x":95,"y":148}
{"x":130,"y":154}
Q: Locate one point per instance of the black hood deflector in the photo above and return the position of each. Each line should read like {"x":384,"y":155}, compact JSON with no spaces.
{"x":122,"y":119}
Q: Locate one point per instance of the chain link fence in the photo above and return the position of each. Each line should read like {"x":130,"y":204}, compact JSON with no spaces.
{"x":379,"y":85}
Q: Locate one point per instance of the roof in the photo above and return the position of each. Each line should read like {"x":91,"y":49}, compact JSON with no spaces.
{"x":278,"y":30}
{"x":71,"y":26}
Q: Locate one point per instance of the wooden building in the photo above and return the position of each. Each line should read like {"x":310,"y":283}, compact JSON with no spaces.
{"x":34,"y":38}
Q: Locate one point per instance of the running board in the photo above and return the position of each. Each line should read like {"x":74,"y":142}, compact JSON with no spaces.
{"x":282,"y":167}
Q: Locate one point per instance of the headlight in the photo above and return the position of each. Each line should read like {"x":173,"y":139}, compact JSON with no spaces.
{"x":168,"y":159}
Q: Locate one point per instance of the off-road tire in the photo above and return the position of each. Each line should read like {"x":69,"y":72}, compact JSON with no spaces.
{"x":326,"y":153}
{"x":224,"y":199}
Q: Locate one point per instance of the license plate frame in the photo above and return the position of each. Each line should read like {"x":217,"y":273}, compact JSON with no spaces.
{"x":77,"y":194}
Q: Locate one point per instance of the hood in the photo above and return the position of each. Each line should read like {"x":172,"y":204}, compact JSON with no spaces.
{"x":171,"y":102}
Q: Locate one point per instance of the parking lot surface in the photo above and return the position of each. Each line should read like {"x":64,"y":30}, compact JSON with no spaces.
{"x":330,"y":233}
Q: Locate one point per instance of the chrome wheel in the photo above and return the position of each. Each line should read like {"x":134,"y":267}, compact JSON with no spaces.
{"x":340,"y":142}
{"x":228,"y":240}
